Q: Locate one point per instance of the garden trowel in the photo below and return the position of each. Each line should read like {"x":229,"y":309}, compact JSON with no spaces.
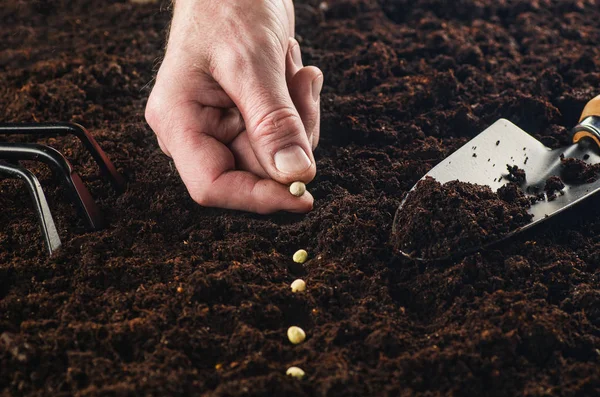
{"x":483,"y":161}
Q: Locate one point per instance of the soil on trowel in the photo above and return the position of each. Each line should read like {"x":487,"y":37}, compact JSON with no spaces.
{"x":515,"y":174}
{"x":440,"y":220}
{"x":577,"y":171}
{"x":553,"y":186}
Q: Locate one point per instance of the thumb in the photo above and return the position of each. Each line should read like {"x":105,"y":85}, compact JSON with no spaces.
{"x":275,"y":129}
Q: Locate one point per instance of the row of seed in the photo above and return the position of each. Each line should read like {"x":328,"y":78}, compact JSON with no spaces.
{"x":296,"y":335}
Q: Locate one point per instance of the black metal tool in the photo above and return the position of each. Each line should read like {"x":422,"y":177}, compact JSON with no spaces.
{"x":51,"y":237}
{"x":54,"y":129}
{"x":62,"y":168}
{"x":12,"y":153}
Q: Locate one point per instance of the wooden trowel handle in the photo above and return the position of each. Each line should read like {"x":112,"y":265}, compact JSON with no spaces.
{"x":589,"y":123}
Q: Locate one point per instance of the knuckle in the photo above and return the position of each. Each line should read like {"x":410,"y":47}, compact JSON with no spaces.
{"x":162,"y":146}
{"x":247,"y":51}
{"x":152,"y":112}
{"x":201,"y":196}
{"x":154,"y":115}
{"x":269,"y":41}
{"x":280,"y":124}
{"x":228,"y":59}
{"x":232,"y":12}
{"x":239,"y":57}
{"x":243,"y":47}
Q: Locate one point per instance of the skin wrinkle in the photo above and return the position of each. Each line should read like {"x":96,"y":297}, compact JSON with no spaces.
{"x":258,"y":110}
{"x":165,"y":115}
{"x":246,"y":160}
{"x":253,"y":192}
{"x":283,"y":34}
{"x":283,"y":42}
{"x":211,"y":174}
{"x":257,"y":63}
{"x":225,"y":126}
{"x":289,"y":8}
{"x":276,"y":133}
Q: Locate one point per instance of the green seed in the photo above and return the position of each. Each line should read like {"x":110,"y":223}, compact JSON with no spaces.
{"x":295,"y":372}
{"x":300,"y":256}
{"x":296,"y":335}
{"x":297,"y":189}
{"x":298,"y":285}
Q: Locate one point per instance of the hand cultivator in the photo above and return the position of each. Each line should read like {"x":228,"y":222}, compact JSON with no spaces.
{"x":12,"y":153}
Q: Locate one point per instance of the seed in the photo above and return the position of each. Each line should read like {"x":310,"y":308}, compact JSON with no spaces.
{"x":296,"y":335}
{"x":300,"y":256}
{"x":297,"y":188}
{"x":295,"y":372}
{"x":298,"y":285}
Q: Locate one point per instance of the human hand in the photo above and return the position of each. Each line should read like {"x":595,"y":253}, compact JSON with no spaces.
{"x":234,"y":107}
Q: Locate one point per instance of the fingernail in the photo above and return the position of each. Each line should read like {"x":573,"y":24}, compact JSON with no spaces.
{"x":317,"y":85}
{"x":292,"y":160}
{"x":297,"y":56}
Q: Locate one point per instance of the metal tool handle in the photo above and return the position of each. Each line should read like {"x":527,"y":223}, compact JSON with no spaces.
{"x":49,"y":231}
{"x":589,"y":123}
{"x":52,"y":157}
{"x":70,"y":129}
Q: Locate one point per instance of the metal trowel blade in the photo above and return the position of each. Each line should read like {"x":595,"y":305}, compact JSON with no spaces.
{"x":483,"y":161}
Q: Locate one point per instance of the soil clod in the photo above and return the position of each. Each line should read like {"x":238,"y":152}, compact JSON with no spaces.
{"x":515,"y":174}
{"x":553,"y":186}
{"x":578,"y":171}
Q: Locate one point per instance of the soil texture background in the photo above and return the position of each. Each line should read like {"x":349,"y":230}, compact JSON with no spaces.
{"x":175,"y":299}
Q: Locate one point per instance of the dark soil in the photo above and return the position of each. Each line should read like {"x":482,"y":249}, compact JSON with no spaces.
{"x":516,"y":174}
{"x":578,"y":171}
{"x":553,"y":186}
{"x":438,"y":221}
{"x":175,"y":299}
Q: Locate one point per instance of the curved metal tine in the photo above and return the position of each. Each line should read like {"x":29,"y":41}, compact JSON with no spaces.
{"x":49,"y":231}
{"x":52,"y":157}
{"x":106,"y":166}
